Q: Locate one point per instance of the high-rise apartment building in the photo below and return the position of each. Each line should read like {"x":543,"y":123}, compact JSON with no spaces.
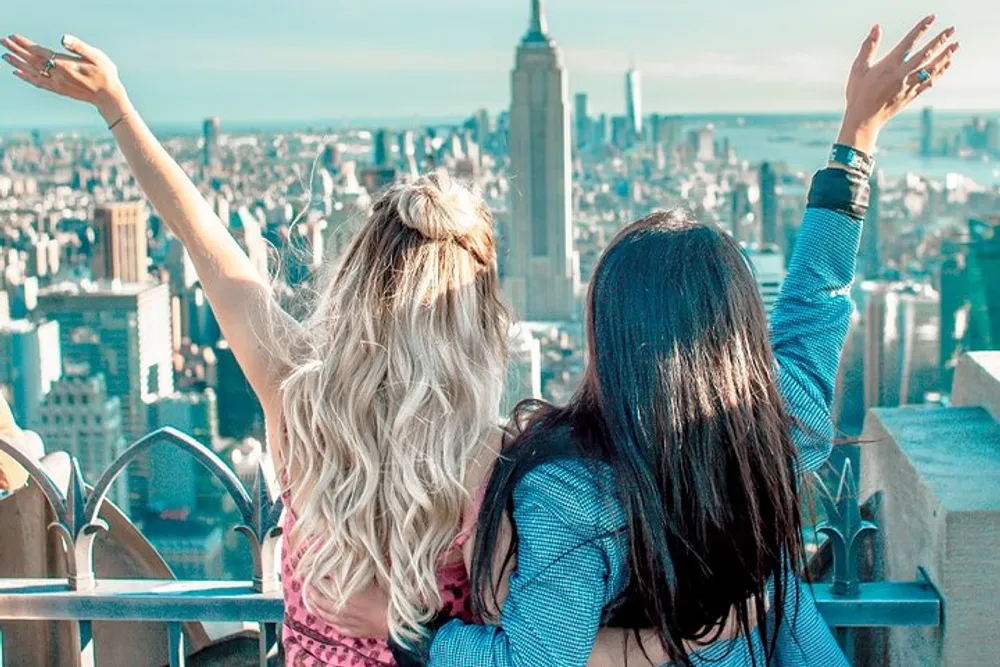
{"x":120,"y":252}
{"x":30,"y":362}
{"x":543,"y":270}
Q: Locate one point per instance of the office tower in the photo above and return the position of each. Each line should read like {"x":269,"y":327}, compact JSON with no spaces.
{"x":602,"y":130}
{"x":983,"y":268}
{"x":482,"y":127}
{"x":954,"y":314}
{"x":211,"y":130}
{"x":382,"y":149}
{"x":927,"y":132}
{"x":30,"y":362}
{"x":621,"y":132}
{"x":120,"y":252}
{"x":768,"y":205}
{"x":79,"y":417}
{"x":667,"y":130}
{"x":543,"y":272}
{"x":633,"y":101}
{"x":203,"y":328}
{"x":902,"y":344}
{"x":121,"y":330}
{"x":524,"y":370}
{"x":582,"y":121}
{"x":174,"y":474}
{"x":240,"y":413}
{"x":769,"y":272}
{"x":870,"y":263}
{"x":739,"y":209}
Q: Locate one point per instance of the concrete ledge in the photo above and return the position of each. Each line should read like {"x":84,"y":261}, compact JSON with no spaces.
{"x":938,"y":470}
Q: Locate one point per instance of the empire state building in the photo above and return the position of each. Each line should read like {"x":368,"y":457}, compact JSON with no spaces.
{"x":543,"y":271}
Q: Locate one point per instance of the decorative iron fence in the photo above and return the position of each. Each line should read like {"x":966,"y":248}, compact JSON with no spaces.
{"x":845,"y":601}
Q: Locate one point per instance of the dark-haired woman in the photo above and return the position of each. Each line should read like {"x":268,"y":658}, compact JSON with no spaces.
{"x":665,"y":494}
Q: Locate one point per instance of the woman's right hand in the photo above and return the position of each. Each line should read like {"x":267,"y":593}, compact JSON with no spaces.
{"x":87,"y":75}
{"x":877,"y":91}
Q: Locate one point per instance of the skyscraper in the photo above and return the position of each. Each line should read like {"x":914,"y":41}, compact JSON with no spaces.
{"x":30,"y":361}
{"x":927,"y":132}
{"x":582,"y":120}
{"x":121,"y":330}
{"x":242,"y":413}
{"x":120,"y":252}
{"x":633,"y":100}
{"x":173,"y":474}
{"x":870,"y":263}
{"x":768,"y":205}
{"x":543,"y":271}
{"x":382,"y":148}
{"x":80,"y":418}
{"x":211,"y":129}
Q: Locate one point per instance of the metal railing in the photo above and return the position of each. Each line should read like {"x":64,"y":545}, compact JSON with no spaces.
{"x":845,"y":602}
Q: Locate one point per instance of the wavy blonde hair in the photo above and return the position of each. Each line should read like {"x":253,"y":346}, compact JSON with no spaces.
{"x":391,"y":395}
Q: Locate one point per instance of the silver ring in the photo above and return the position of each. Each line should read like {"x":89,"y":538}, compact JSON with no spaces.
{"x":906,"y":56}
{"x":50,"y":65}
{"x":923,"y":75}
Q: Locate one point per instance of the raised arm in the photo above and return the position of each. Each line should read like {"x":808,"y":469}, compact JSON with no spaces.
{"x":240,"y":297}
{"x":811,"y":318}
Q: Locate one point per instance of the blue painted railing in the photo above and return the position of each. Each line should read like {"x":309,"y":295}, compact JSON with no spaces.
{"x":845,"y":601}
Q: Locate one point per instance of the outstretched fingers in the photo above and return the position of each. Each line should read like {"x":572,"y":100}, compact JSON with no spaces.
{"x":869,"y":47}
{"x":82,"y":49}
{"x":931,"y":51}
{"x":28,"y":55}
{"x":908,"y":43}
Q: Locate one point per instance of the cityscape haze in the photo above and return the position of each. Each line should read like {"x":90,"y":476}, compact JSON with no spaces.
{"x":106,"y":334}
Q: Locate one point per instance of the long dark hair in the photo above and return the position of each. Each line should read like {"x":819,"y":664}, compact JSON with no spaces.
{"x":680,"y":398}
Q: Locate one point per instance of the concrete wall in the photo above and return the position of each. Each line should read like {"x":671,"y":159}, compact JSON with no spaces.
{"x":939,"y":473}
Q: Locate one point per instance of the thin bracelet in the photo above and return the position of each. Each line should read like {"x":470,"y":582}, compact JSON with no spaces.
{"x":115,"y":124}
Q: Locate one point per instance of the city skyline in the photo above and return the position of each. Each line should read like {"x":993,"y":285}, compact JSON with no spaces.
{"x":318,"y":62}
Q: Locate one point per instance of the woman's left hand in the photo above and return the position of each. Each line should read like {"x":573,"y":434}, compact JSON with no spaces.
{"x":365,"y":614}
{"x":86,"y":73}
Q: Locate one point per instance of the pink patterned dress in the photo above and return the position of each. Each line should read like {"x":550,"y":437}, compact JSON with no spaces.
{"x":311,"y":642}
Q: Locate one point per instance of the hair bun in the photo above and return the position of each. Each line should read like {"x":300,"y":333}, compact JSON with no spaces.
{"x":438,"y":207}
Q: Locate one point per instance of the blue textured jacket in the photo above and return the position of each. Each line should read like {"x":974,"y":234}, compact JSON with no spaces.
{"x":572,"y":561}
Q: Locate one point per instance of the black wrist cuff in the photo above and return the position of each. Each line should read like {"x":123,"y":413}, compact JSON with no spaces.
{"x":840,"y":190}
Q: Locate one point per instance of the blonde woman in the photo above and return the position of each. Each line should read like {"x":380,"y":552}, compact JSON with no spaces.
{"x":379,"y":406}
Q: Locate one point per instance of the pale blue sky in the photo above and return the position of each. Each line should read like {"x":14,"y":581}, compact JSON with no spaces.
{"x":273,"y":60}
